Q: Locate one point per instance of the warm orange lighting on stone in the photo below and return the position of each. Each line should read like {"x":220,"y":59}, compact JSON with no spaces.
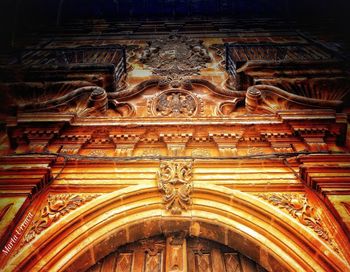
{"x":173,"y":162}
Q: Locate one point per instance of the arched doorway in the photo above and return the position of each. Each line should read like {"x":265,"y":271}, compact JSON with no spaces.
{"x":175,"y":253}
{"x":229,"y":217}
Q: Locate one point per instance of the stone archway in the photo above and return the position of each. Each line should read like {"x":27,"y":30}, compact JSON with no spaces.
{"x":229,"y":217}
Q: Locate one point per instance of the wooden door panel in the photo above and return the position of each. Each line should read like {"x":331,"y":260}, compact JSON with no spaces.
{"x":203,"y":263}
{"x":160,"y":254}
{"x":124,"y":263}
{"x":153,"y":263}
{"x":232,"y":263}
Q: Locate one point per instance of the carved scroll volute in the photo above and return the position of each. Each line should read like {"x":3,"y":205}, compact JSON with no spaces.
{"x":175,"y":183}
{"x":253,"y":99}
{"x":98,"y":100}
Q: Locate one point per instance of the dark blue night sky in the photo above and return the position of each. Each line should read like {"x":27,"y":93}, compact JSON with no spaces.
{"x":62,"y":11}
{"x":21,"y":16}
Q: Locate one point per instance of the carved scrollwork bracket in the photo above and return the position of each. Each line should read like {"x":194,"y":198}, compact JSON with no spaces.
{"x":175,"y":183}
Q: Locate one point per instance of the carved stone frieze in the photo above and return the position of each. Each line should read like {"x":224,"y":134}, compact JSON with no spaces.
{"x":176,"y":56}
{"x":175,"y":183}
{"x":97,"y":153}
{"x":298,"y":206}
{"x":150,"y":152}
{"x":200,"y":152}
{"x":57,"y":206}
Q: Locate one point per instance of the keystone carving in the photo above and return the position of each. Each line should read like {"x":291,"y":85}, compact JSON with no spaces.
{"x":175,"y":183}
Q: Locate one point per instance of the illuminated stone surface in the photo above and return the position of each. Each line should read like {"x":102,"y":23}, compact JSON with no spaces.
{"x":109,"y":162}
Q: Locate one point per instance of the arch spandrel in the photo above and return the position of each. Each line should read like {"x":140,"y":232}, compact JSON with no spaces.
{"x":239,"y":220}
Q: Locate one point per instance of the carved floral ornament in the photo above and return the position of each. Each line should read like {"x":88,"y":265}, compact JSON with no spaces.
{"x":298,"y":206}
{"x":57,"y":206}
{"x":175,"y":183}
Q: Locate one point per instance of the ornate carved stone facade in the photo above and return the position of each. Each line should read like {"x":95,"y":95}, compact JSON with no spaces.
{"x":196,"y":150}
{"x":58,"y":205}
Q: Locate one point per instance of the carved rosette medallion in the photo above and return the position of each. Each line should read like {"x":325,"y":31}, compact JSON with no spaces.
{"x":175,"y":103}
{"x":298,"y":206}
{"x":175,"y":183}
{"x":176,"y":56}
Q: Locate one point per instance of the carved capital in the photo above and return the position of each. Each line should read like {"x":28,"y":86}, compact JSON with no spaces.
{"x":175,"y":183}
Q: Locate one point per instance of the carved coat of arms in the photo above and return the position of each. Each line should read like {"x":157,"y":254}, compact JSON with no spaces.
{"x":176,"y":56}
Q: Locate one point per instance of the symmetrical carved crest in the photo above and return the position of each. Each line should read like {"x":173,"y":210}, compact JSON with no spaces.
{"x":174,"y":103}
{"x":57,"y":206}
{"x":175,"y":182}
{"x":176,"y":56}
{"x":298,"y":206}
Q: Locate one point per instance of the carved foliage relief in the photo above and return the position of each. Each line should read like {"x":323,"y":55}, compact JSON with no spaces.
{"x":57,"y":206}
{"x":298,"y":206}
{"x":175,"y":183}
